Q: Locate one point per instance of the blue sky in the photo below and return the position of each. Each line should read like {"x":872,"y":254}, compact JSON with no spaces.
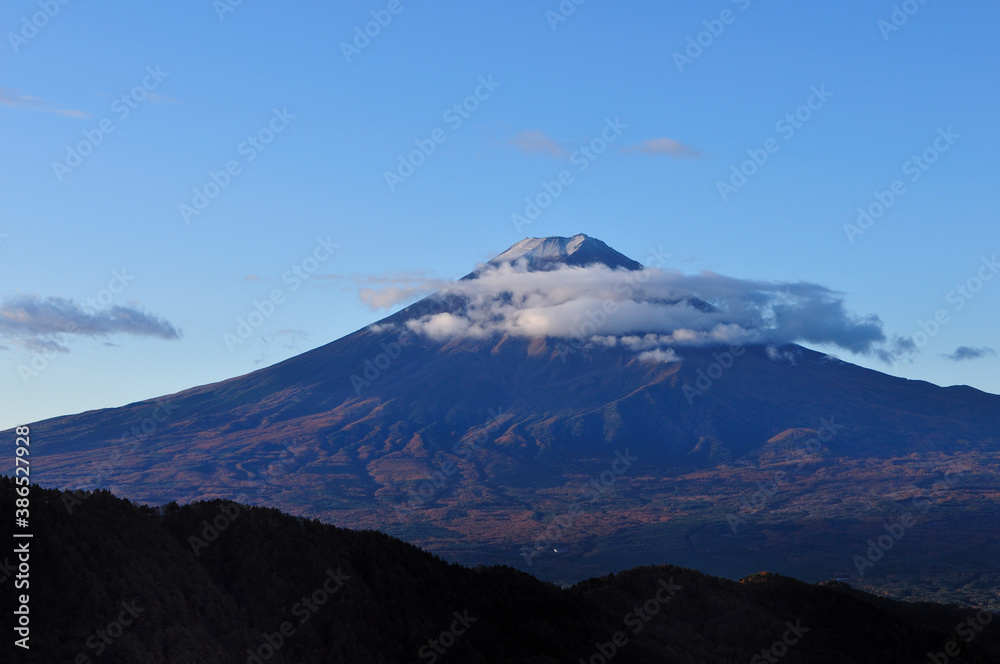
{"x":309,"y":128}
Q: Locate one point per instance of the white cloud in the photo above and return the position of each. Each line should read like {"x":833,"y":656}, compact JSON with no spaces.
{"x":648,"y":310}
{"x":537,"y":141}
{"x":14,"y":99}
{"x":382,"y":291}
{"x":659,"y":355}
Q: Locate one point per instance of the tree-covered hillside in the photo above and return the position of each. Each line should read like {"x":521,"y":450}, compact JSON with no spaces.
{"x":113,"y":582}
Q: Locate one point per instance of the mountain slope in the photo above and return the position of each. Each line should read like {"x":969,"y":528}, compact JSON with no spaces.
{"x":505,"y":449}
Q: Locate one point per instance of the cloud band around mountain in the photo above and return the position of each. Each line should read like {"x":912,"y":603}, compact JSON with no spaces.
{"x":653,"y":310}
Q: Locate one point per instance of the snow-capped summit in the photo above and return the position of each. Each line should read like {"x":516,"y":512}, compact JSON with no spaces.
{"x":546,"y":253}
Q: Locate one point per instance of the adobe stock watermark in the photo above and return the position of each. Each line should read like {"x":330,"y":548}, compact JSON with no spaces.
{"x":913,"y":168}
{"x":223,"y":7}
{"x":635,"y":620}
{"x":786,"y":127}
{"x":767,"y":490}
{"x":562,"y":12}
{"x":780,"y":647}
{"x":724,"y":360}
{"x":439,"y":645}
{"x":31,"y":25}
{"x":274,"y":471}
{"x":882,"y":543}
{"x":363,"y":36}
{"x":967,"y":630}
{"x":455,"y":116}
{"x":899,"y":17}
{"x":210,"y":530}
{"x":129,"y":443}
{"x":714,"y":27}
{"x":958,"y":297}
{"x":121,"y":107}
{"x":581,"y":158}
{"x":264,"y":309}
{"x":101,"y":639}
{"x":373,"y":367}
{"x":597,"y":317}
{"x":590,"y":493}
{"x":7,"y":569}
{"x":304,"y":610}
{"x":120,"y":280}
{"x":439,"y":478}
{"x":219,"y":180}
{"x":377,"y":365}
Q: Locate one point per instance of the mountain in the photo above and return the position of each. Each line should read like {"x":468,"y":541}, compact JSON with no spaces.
{"x":571,"y":459}
{"x":227,"y":583}
{"x":545,"y":253}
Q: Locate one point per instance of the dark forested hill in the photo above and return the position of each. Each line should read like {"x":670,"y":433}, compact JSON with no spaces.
{"x":214,"y":581}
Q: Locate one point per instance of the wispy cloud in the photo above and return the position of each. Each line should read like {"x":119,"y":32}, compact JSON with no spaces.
{"x":280,"y":343}
{"x":14,"y":99}
{"x":291,"y":333}
{"x":665,"y":146}
{"x":652,"y":310}
{"x":382,"y":291}
{"x":969,"y":353}
{"x":71,"y":114}
{"x":48,"y":323}
{"x":537,"y":141}
{"x":288,"y":339}
{"x":157,"y":98}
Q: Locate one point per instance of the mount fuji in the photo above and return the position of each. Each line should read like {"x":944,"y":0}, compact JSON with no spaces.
{"x":566,"y":410}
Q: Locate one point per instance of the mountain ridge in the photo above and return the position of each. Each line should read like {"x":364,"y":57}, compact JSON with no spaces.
{"x":351,"y":431}
{"x":223,"y":582}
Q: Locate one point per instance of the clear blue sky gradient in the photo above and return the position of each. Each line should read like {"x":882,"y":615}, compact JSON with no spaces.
{"x":323,"y":175}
